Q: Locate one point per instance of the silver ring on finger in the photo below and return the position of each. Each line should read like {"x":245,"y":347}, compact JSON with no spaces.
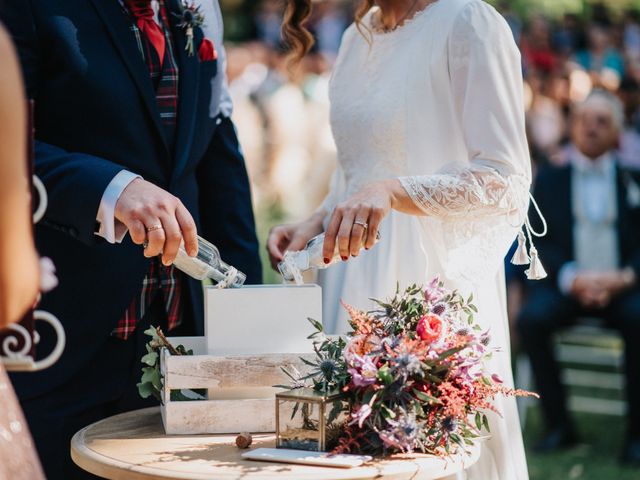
{"x":153,"y":228}
{"x":364,"y":225}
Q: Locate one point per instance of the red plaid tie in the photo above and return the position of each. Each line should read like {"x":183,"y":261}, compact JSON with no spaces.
{"x":160,"y":280}
{"x":144,"y":15}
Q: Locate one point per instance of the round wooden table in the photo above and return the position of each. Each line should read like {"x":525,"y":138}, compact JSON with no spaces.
{"x":133,"y":446}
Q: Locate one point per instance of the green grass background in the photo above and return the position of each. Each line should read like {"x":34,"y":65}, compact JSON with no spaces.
{"x":595,"y":458}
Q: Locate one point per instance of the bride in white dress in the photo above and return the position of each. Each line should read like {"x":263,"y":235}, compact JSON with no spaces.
{"x":427,"y":114}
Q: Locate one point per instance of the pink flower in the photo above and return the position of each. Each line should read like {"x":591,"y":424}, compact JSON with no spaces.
{"x":363,"y":372}
{"x":429,"y":328}
{"x":433,"y":292}
{"x":360,"y":415}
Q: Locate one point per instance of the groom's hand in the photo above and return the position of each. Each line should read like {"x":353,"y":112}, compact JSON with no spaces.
{"x":155,"y":216}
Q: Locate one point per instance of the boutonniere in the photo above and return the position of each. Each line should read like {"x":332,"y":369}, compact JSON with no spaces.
{"x":190,"y":18}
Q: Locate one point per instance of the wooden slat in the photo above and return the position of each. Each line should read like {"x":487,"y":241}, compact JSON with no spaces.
{"x":589,"y":355}
{"x":246,"y":371}
{"x":219,"y":416}
{"x":589,"y":378}
{"x":597,"y":405}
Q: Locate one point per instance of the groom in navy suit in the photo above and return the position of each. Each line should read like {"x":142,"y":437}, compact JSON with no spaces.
{"x":133,"y":136}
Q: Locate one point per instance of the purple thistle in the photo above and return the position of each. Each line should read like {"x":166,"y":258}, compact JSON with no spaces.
{"x":402,"y":434}
{"x":439,"y":309}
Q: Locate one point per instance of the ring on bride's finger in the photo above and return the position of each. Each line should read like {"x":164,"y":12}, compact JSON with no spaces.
{"x":153,"y":228}
{"x":364,"y":225}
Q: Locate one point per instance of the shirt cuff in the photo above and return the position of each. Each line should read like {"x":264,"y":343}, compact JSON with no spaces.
{"x":566,"y":277}
{"x":111,"y":229}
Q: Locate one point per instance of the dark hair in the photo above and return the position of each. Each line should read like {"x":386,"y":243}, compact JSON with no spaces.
{"x":298,"y":39}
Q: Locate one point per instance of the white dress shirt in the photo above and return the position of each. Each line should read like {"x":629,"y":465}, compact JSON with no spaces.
{"x":595,"y":211}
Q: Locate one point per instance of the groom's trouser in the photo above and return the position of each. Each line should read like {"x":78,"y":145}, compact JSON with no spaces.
{"x":103,"y":387}
{"x":546,"y":311}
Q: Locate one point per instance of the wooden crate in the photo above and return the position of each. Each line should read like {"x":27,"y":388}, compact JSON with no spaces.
{"x":241,"y":393}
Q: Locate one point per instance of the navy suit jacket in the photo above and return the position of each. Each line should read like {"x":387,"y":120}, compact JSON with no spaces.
{"x":95,"y":115}
{"x":553,"y":193}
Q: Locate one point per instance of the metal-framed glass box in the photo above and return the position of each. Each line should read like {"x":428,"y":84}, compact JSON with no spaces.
{"x":309,"y":420}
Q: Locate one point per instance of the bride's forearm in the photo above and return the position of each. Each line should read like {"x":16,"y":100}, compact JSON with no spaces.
{"x":317,"y":217}
{"x":400,"y":199}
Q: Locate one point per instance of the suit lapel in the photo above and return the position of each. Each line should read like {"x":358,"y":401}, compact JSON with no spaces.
{"x":188,"y":87}
{"x":110,"y":11}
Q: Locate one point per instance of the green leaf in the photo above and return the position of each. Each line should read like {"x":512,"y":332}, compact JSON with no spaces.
{"x":147,"y":374}
{"x":151,"y":331}
{"x":387,"y":412}
{"x":485,"y":422}
{"x":296,"y":407}
{"x":307,"y":362}
{"x":385,"y":375}
{"x":424,"y":397}
{"x":150,"y":358}
{"x":452,"y":351}
{"x":368,"y":396}
{"x":145,"y":389}
{"x":335,"y":412}
{"x":317,"y":325}
{"x":478,"y":420}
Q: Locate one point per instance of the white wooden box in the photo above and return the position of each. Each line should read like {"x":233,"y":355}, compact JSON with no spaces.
{"x":251,"y":333}
{"x":261,"y":318}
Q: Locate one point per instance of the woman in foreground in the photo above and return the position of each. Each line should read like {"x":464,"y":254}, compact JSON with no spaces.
{"x":18,"y":259}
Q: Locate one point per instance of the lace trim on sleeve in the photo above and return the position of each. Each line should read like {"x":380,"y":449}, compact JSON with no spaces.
{"x":468,"y":192}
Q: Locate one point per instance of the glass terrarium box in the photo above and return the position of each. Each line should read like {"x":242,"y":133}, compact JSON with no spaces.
{"x":309,"y":420}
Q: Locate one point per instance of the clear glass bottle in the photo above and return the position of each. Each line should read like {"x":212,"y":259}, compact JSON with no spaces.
{"x":209,"y":264}
{"x":295,"y":263}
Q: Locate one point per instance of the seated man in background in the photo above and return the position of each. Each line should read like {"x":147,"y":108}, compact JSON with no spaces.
{"x":592,"y":255}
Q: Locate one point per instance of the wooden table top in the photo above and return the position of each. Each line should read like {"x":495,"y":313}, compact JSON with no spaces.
{"x":133,"y":446}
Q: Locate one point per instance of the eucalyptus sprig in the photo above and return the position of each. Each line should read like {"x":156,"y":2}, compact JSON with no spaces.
{"x":151,"y":381}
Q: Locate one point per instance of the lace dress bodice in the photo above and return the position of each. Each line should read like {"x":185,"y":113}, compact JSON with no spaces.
{"x":368,"y":112}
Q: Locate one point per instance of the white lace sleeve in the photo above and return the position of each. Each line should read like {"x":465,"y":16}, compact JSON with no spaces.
{"x":486,"y":81}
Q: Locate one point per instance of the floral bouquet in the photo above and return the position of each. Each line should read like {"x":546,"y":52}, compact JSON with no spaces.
{"x":412,"y":374}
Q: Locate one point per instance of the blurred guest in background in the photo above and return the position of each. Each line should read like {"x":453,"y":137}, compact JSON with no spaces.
{"x":537,"y":50}
{"x":268,"y":21}
{"x":18,"y":258}
{"x":328,"y":24}
{"x":592,"y":255}
{"x":601,"y":59}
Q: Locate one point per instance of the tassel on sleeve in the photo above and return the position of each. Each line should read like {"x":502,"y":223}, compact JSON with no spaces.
{"x":536,"y":270}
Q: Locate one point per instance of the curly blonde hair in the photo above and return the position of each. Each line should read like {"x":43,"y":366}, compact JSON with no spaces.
{"x":297,"y":37}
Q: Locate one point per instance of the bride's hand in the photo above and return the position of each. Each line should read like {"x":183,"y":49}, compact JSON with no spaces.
{"x":292,"y":237}
{"x":359,"y":219}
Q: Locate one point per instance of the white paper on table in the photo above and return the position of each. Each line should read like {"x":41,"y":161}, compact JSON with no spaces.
{"x":261,"y":319}
{"x":322,"y":459}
